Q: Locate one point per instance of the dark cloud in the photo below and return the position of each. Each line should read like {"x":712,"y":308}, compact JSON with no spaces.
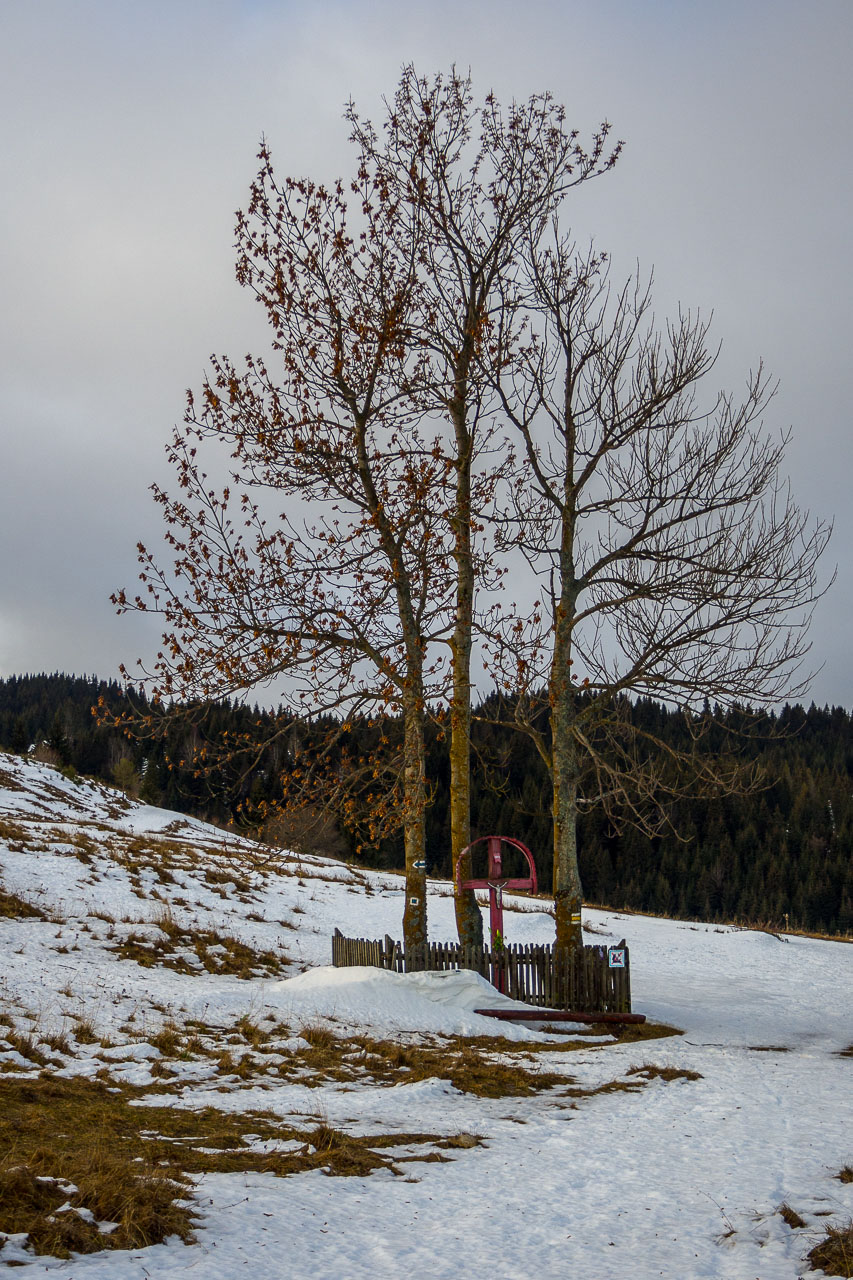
{"x":129,"y":134}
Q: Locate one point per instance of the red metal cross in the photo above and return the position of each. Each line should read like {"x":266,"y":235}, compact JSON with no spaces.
{"x":495,"y":880}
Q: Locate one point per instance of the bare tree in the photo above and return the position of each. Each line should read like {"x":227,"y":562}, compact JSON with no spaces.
{"x":480,"y":184}
{"x":392,"y":303}
{"x":342,"y":593}
{"x":673,"y":559}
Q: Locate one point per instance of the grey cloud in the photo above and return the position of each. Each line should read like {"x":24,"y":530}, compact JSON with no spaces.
{"x":129,"y":136}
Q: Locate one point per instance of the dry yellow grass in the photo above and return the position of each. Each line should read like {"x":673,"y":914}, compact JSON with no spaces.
{"x":212,"y":951}
{"x":82,"y":1144}
{"x":14,"y":907}
{"x":650,"y":1071}
{"x":834,"y":1253}
{"x":791,"y":1217}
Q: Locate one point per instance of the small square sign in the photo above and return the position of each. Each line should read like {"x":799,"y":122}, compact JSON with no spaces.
{"x":616,"y":958}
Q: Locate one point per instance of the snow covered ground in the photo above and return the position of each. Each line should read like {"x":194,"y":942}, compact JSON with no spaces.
{"x":149,"y":919}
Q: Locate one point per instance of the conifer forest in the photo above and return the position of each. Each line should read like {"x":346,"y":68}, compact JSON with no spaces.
{"x":780,"y":857}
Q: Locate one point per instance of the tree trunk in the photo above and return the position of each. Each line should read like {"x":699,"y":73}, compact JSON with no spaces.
{"x":567,"y":882}
{"x":414,"y":822}
{"x":413,"y":704}
{"x":565,"y":765}
{"x":469,"y":921}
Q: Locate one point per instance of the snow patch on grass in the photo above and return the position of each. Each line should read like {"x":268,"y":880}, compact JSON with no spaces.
{"x":144,"y":1013}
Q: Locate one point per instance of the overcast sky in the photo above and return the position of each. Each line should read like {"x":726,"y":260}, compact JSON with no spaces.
{"x":129,"y":136}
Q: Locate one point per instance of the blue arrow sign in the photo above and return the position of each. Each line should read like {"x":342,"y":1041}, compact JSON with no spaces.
{"x":420,"y":866}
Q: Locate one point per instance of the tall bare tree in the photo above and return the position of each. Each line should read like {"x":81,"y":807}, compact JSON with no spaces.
{"x":479,"y":184}
{"x":392,"y":302}
{"x":672,"y":557}
{"x":342,"y":593}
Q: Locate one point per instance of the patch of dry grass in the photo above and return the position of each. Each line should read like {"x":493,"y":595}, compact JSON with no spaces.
{"x":486,"y":1066}
{"x":26,"y":1046}
{"x":791,"y":1217}
{"x":142,"y":1204}
{"x":73,"y":1142}
{"x":15,"y":835}
{"x":610,"y":1086}
{"x":650,"y":1071}
{"x":14,"y":907}
{"x":169,"y":1040}
{"x":252,"y":1033}
{"x":642,"y":1075}
{"x":633,"y":1032}
{"x":84,"y":1144}
{"x":321,"y":1038}
{"x":339,"y":1153}
{"x":227,"y":881}
{"x":477,"y":1067}
{"x":210,"y":950}
{"x":834,"y":1253}
{"x":471,"y":1071}
{"x":84,"y":1031}
{"x":845,"y":1174}
{"x":9,"y":780}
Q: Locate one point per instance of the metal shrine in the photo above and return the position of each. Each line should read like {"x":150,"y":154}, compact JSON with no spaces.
{"x":587,"y":984}
{"x":496,"y":882}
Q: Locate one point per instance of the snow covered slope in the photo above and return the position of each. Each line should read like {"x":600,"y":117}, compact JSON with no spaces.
{"x":121,"y":920}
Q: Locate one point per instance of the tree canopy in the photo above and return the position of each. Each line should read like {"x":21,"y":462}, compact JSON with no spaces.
{"x":451,"y":384}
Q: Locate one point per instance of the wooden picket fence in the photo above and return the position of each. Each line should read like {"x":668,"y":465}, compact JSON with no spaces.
{"x":535,"y":974}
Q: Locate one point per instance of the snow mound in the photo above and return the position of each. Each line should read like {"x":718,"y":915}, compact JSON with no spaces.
{"x":385,"y":1002}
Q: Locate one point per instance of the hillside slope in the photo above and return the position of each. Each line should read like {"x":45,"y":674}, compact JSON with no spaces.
{"x":165,"y":1006}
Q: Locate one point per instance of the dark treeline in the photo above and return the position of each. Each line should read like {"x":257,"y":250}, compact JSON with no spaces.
{"x":53,"y":717}
{"x":781,"y":855}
